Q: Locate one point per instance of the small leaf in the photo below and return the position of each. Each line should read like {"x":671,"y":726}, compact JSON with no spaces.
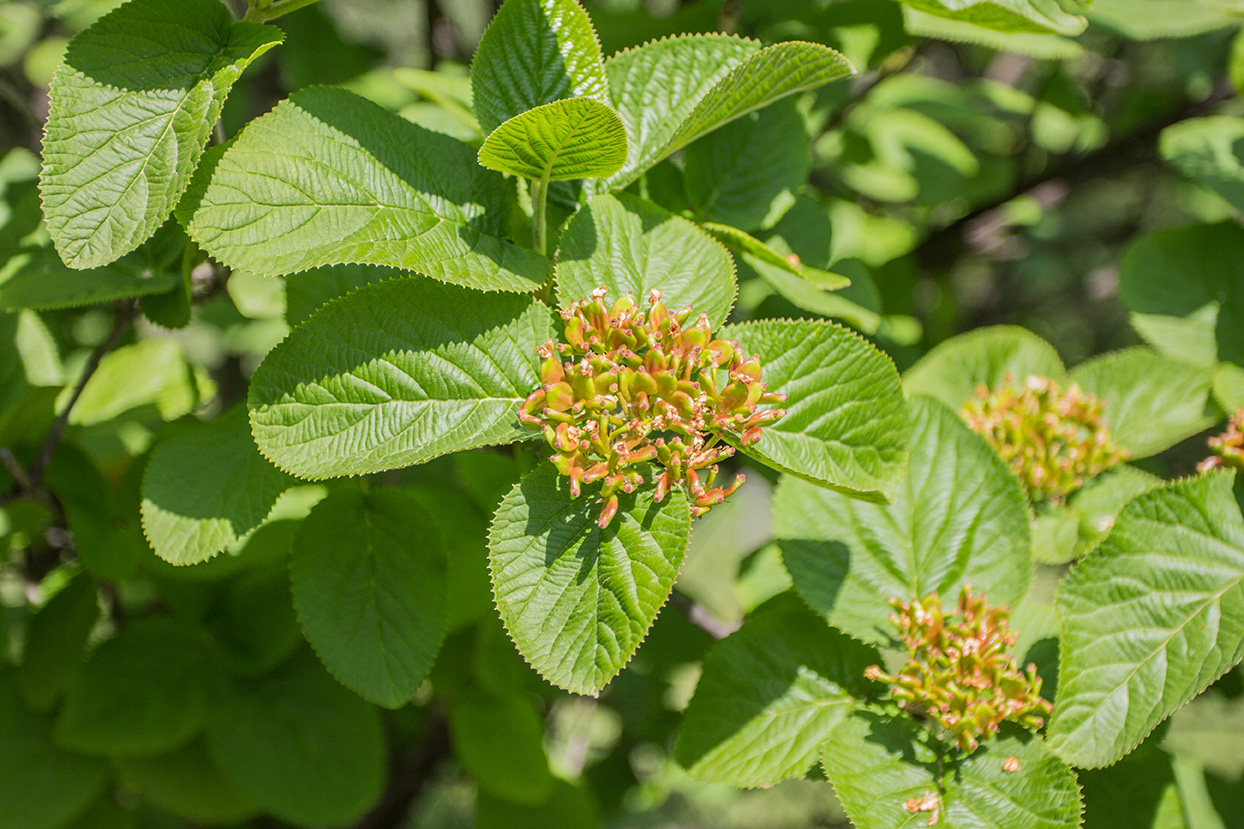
{"x":368,"y":575}
{"x":671,"y":92}
{"x":630,"y":245}
{"x":206,"y":488}
{"x":395,"y":374}
{"x":150,"y":376}
{"x":878,"y":763}
{"x":41,"y":785}
{"x":960,"y":517}
{"x":142,"y":692}
{"x":1150,"y":619}
{"x":299,"y":745}
{"x":535,"y":52}
{"x":187,"y":784}
{"x":952,"y":371}
{"x":1006,"y":15}
{"x":1208,"y":151}
{"x":1034,"y":44}
{"x":500,"y":742}
{"x":564,"y":140}
{"x":130,"y":115}
{"x":329,"y":178}
{"x":769,"y":696}
{"x":576,"y":599}
{"x":1152,"y":402}
{"x":55,"y":640}
{"x":846,"y":425}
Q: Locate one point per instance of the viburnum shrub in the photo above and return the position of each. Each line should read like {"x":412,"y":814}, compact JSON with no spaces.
{"x":358,"y":422}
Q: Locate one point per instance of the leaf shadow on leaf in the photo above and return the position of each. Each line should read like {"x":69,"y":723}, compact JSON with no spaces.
{"x":830,"y":561}
{"x":899,"y":737}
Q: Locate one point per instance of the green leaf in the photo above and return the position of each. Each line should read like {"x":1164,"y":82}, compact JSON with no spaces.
{"x":1183,"y":287}
{"x":329,"y":178}
{"x":1034,"y":44}
{"x":1007,"y":15}
{"x":252,"y":621}
{"x":630,"y":245}
{"x":151,"y":376}
{"x":564,"y":140}
{"x":305,"y":292}
{"x":952,"y":371}
{"x":499,"y":741}
{"x":55,"y":640}
{"x":577,"y":600}
{"x":142,"y":692}
{"x":299,"y":745}
{"x":567,"y":807}
{"x":395,"y":374}
{"x":769,"y":696}
{"x":187,"y":784}
{"x":535,"y":52}
{"x":1159,"y":19}
{"x":368,"y":575}
{"x":1208,"y":150}
{"x":846,"y":425}
{"x":1150,"y":619}
{"x":1089,"y":514}
{"x":753,"y":251}
{"x":747,"y":173}
{"x":1138,"y":791}
{"x":130,"y":115}
{"x":878,"y":763}
{"x":1151,"y":402}
{"x":41,"y":786}
{"x":206,"y":488}
{"x":960,"y":517}
{"x":670,"y":92}
{"x":38,"y":279}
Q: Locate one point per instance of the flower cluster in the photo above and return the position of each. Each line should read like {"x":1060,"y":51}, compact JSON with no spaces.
{"x":1228,"y":448}
{"x":958,"y":669}
{"x":1053,"y":439}
{"x":629,"y":388}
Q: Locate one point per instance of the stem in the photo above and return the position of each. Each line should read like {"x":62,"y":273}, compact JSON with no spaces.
{"x":539,"y":203}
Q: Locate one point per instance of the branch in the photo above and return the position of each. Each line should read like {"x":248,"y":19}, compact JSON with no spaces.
{"x":701,"y":618}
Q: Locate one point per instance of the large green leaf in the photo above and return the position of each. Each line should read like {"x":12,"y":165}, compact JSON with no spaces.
{"x":187,"y":784}
{"x":395,"y":374}
{"x":206,"y":488}
{"x":131,"y":110}
{"x":952,"y":371}
{"x":1210,"y":151}
{"x":878,"y":763}
{"x":1185,"y":289}
{"x":1007,"y":15}
{"x":368,"y":576}
{"x":1151,"y":402}
{"x":576,"y":599}
{"x":299,"y":745}
{"x":500,"y":743}
{"x":670,"y":92}
{"x":41,"y":785}
{"x":630,"y":245}
{"x":55,"y":639}
{"x":305,"y":292}
{"x":747,"y":173}
{"x":142,"y":692}
{"x":564,"y":140}
{"x":1150,"y":619}
{"x":769,"y":696}
{"x":535,"y":52}
{"x":329,"y":178}
{"x":960,"y":517}
{"x":846,"y":425}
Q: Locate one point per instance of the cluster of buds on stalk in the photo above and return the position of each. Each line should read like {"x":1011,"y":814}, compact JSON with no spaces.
{"x":1053,"y":439}
{"x":959,"y":671}
{"x":629,"y":388}
{"x":1228,"y":448}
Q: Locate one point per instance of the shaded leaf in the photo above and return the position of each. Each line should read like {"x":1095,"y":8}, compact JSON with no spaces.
{"x":499,"y":741}
{"x":187,"y":784}
{"x":55,"y":640}
{"x":952,"y":371}
{"x":1209,"y":151}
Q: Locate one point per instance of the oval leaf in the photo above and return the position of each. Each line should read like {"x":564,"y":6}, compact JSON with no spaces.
{"x":878,"y":763}
{"x":206,"y":488}
{"x":329,"y":178}
{"x":131,"y":110}
{"x":769,"y":696}
{"x":535,"y":52}
{"x":630,"y":245}
{"x":960,"y":517}
{"x":952,"y":371}
{"x":368,"y":576}
{"x":1006,"y":15}
{"x":846,"y":424}
{"x":1150,"y":619}
{"x":395,"y":374}
{"x":564,"y":140}
{"x":577,"y":600}
{"x":1208,"y":150}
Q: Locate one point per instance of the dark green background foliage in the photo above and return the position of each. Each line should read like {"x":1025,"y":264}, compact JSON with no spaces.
{"x":275,"y":550}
